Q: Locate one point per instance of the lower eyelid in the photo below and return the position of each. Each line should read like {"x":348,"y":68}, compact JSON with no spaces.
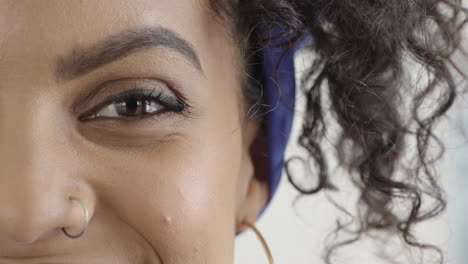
{"x":124,"y":120}
{"x":133,"y":134}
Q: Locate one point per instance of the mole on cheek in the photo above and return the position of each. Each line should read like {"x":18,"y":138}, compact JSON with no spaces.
{"x":166,"y":220}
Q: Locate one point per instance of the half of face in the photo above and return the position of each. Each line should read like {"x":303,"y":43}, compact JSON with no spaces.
{"x":136,"y":108}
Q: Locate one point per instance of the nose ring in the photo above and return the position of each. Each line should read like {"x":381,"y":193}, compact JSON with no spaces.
{"x":85,"y":224}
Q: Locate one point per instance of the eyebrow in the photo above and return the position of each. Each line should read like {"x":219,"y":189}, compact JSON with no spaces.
{"x":82,"y":60}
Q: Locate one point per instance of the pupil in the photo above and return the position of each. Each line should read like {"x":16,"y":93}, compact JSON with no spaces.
{"x":132,"y":105}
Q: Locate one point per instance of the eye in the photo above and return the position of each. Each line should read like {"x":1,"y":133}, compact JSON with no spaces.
{"x":135,"y":104}
{"x":131,"y":107}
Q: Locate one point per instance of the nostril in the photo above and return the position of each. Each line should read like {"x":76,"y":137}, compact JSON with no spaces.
{"x":24,"y":234}
{"x":45,"y":213}
{"x":47,"y":235}
{"x":26,"y":221}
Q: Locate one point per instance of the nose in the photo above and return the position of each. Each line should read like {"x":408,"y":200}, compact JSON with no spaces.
{"x":37,"y":180}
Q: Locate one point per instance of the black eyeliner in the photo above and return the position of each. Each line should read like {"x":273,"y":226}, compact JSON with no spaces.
{"x":171,"y":104}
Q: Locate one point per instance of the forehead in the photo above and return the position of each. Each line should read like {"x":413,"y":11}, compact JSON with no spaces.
{"x":40,"y":30}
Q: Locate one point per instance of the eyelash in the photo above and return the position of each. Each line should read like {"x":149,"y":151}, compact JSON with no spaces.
{"x":170,"y":104}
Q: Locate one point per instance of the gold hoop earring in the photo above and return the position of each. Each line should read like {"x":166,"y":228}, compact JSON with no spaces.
{"x":262,"y":240}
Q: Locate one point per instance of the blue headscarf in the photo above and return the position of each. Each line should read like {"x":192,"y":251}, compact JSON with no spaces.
{"x":279,"y":89}
{"x":279,"y":84}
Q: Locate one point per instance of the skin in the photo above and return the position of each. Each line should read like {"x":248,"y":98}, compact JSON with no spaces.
{"x":171,"y":189}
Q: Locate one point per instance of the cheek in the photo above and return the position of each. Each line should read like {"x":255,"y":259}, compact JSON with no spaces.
{"x":180,"y":196}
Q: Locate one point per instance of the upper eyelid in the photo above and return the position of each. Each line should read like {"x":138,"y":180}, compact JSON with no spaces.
{"x":128,"y":93}
{"x":104,"y":89}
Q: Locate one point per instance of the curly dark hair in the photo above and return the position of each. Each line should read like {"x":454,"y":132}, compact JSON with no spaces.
{"x":361,"y":48}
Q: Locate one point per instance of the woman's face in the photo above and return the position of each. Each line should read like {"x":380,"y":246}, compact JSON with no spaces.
{"x":171,"y":188}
